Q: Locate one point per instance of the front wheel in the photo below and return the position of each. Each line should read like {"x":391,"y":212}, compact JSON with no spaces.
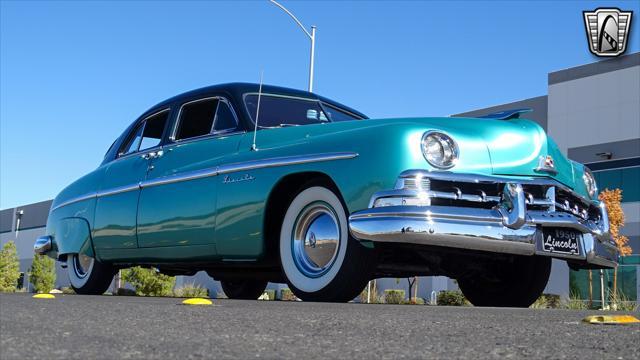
{"x":319,"y":258}
{"x":243,"y":289}
{"x":516,"y":282}
{"x":87,"y":275}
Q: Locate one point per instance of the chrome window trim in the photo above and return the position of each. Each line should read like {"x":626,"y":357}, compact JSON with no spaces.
{"x":208,"y":136}
{"x":144,"y":120}
{"x":215,"y":117}
{"x":174,"y":131}
{"x":214,"y":171}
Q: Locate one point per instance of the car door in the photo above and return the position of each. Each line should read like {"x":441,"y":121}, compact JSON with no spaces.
{"x":117,"y":200}
{"x":178,"y":199}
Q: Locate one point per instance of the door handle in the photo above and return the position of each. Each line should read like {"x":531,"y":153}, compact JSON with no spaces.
{"x":152,"y":155}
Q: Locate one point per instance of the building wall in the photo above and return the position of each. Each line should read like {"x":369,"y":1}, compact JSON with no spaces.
{"x":594,"y":116}
{"x":537,"y":104}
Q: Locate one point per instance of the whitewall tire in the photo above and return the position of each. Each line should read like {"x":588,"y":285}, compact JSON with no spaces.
{"x":320,"y":260}
{"x":87,"y":275}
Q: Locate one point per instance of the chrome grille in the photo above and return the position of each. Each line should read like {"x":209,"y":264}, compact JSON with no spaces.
{"x":542,"y":197}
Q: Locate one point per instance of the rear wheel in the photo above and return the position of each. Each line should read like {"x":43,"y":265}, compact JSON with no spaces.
{"x":517,"y":282}
{"x":319,"y":258}
{"x":87,"y":275}
{"x":243,"y":289}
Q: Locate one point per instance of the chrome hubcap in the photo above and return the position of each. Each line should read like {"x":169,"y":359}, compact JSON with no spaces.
{"x":315,"y":239}
{"x":82,"y":264}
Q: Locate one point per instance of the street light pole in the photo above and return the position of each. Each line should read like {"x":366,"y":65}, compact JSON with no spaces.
{"x":312,"y":37}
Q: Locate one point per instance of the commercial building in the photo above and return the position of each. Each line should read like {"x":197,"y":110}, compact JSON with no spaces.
{"x":593,"y":113}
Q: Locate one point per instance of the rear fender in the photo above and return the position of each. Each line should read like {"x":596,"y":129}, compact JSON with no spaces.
{"x":72,"y":236}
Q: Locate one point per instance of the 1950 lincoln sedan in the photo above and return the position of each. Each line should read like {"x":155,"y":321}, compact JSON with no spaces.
{"x":324,"y":199}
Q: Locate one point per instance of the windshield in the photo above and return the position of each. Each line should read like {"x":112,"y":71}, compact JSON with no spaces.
{"x":277,"y":111}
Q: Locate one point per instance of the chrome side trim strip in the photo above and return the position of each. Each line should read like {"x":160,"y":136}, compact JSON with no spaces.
{"x":215,"y":171}
{"x":283,"y":161}
{"x":118,"y":190}
{"x":75,"y":200}
{"x":171,"y":179}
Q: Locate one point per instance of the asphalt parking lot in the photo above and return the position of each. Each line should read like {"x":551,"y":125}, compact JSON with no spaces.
{"x":108,"y":327}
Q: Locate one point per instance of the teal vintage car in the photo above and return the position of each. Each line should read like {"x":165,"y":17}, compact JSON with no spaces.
{"x":257,"y":184}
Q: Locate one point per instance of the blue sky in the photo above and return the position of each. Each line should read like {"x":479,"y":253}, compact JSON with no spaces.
{"x":73,"y":74}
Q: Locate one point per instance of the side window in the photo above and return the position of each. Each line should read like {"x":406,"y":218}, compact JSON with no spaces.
{"x":153,"y":129}
{"x":224,"y":120}
{"x":148,"y":133}
{"x":278,"y":111}
{"x":196,"y":118}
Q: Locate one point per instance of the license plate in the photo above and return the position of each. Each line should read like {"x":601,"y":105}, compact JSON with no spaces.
{"x":562,"y":241}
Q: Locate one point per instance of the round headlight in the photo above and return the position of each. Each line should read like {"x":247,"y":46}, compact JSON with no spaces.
{"x":439,"y":149}
{"x":589,"y":182}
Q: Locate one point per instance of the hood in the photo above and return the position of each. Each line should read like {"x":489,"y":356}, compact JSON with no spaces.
{"x":514,"y":147}
{"x":487,"y":146}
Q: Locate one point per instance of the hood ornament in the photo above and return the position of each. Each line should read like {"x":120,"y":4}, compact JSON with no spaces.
{"x":546,"y":164}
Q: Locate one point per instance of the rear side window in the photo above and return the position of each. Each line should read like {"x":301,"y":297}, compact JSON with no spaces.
{"x":148,"y":134}
{"x":196,"y":118}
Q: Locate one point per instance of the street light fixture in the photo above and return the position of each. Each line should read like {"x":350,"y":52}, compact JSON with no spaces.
{"x":312,"y":37}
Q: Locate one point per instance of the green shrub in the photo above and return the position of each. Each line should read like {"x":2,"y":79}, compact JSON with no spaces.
{"x":271,"y":294}
{"x":9,"y":267}
{"x":620,"y":302}
{"x":43,"y":273}
{"x":393,"y":296}
{"x":375,"y":297}
{"x":68,"y":290}
{"x":546,"y":301}
{"x":574,"y":302}
{"x":148,"y":281}
{"x":191,"y":291}
{"x":287,"y":295}
{"x":451,"y":298}
{"x":414,"y":301}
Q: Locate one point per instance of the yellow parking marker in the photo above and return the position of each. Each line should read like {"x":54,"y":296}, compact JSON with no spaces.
{"x":43,"y":296}
{"x":611,"y":319}
{"x":197,"y":301}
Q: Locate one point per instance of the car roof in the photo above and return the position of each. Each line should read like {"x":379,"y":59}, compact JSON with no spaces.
{"x":238,"y":89}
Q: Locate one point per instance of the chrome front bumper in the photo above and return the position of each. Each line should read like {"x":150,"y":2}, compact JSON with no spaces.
{"x":510,"y":222}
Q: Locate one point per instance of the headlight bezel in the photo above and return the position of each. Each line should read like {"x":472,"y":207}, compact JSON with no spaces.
{"x":449,"y":148}
{"x":590,"y":182}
